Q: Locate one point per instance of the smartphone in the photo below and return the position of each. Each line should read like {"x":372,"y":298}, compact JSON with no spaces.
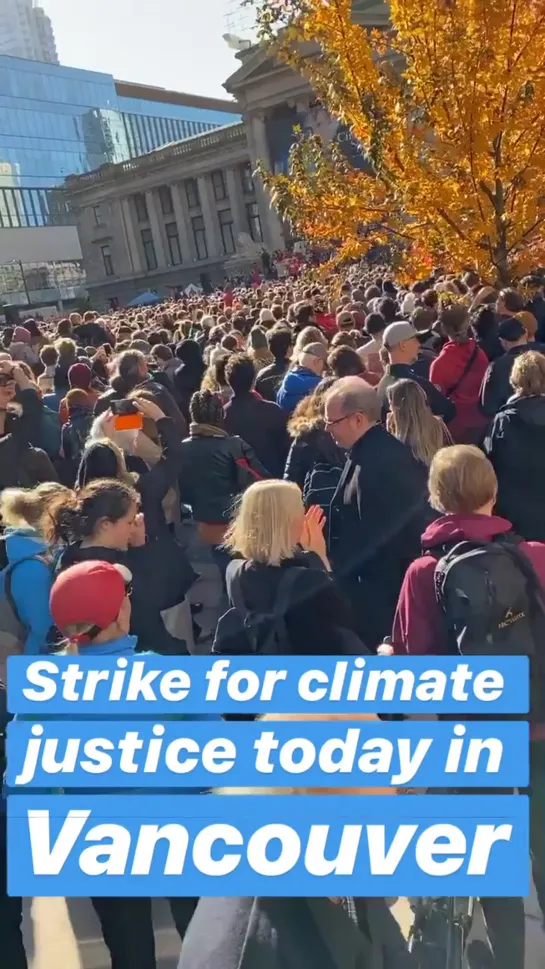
{"x":127,"y":417}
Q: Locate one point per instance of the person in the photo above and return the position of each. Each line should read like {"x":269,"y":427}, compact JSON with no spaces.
{"x":131,"y":371}
{"x":344,"y":361}
{"x":516,"y":448}
{"x":303,"y":377}
{"x":411,"y":421}
{"x":496,"y":385}
{"x":30,"y":560}
{"x":270,"y":377}
{"x":214,"y":378}
{"x":260,"y":423}
{"x":458,"y":372}
{"x":80,"y":376}
{"x":400,"y":340}
{"x":375,"y":324}
{"x":75,"y":432}
{"x":188,"y":376}
{"x":303,"y":933}
{"x":533,"y":287}
{"x":258,"y":348}
{"x":20,"y":347}
{"x":92,"y":332}
{"x":215,"y":468}
{"x":270,"y":535}
{"x":49,"y":358}
{"x":103,"y":519}
{"x":485,"y":330}
{"x":378,"y":510}
{"x":312,"y":445}
{"x":68,"y":356}
{"x":463,"y":489}
{"x":22,"y":464}
{"x":90,"y":604}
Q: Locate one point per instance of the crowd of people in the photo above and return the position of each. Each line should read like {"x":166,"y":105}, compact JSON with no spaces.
{"x":340,"y":445}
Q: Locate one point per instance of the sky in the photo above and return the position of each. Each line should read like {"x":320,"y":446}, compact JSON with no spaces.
{"x":176,"y":44}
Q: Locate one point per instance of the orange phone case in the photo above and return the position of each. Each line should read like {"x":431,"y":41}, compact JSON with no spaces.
{"x":129,"y":422}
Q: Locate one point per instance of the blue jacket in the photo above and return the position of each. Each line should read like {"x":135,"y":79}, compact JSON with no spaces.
{"x":30,"y":586}
{"x":298,"y":383}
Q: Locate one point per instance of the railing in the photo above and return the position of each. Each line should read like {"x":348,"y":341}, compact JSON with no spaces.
{"x":218,"y":138}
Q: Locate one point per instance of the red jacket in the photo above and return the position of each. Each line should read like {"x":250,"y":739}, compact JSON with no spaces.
{"x":418,"y":624}
{"x":446,"y":371}
{"x":327,"y":322}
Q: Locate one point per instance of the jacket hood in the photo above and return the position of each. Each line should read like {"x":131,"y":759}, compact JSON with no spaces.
{"x":457,"y":528}
{"x":22,"y":542}
{"x":124,"y":646}
{"x":300,"y":377}
{"x":529,"y":410}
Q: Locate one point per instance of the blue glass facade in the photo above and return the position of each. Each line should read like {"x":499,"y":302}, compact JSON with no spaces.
{"x":58,"y":121}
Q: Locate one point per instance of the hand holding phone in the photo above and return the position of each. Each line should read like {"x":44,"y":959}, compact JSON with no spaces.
{"x":127,"y":417}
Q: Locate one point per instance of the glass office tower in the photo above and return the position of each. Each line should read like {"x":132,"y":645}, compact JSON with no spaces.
{"x":59,"y":121}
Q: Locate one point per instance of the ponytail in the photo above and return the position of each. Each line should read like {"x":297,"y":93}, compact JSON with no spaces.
{"x":74,"y":517}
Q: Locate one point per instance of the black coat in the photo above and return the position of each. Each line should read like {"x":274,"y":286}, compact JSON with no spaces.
{"x":269,"y":379}
{"x":378,"y":514}
{"x":214,"y":469}
{"x":318,"y":619}
{"x":440,"y":405}
{"x":516,"y":447}
{"x":23,"y":464}
{"x":187,"y":380}
{"x":292,"y":933}
{"x":308,"y":449}
{"x":262,"y":425}
{"x":495,"y":388}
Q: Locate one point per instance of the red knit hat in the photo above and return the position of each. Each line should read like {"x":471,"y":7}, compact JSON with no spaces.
{"x":90,"y":592}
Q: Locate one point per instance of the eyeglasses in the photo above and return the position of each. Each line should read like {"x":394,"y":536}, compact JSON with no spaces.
{"x":339,"y":419}
{"x":128,"y":589}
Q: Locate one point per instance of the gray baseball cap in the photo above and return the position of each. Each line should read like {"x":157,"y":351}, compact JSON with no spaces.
{"x":397,"y":333}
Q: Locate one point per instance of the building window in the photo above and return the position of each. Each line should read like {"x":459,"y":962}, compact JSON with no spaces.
{"x":254,"y":222}
{"x":199,"y":235}
{"x":247,"y":179}
{"x":192,"y":192}
{"x":149,"y":249}
{"x":219,"y":186}
{"x":227,"y":232}
{"x":173,"y":240}
{"x":141,"y":207}
{"x":107,"y":260}
{"x":97,"y":214}
{"x":165,"y":197}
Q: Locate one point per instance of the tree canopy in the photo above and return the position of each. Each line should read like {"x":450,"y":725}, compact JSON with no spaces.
{"x":448,"y":104}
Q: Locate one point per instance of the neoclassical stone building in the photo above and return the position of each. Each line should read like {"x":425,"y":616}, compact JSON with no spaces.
{"x":178,"y":214}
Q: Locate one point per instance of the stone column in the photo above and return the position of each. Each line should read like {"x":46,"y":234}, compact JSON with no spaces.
{"x":209,"y":214}
{"x":238,"y":207}
{"x":273,"y":234}
{"x":131,"y":242}
{"x":183,"y":222}
{"x":156,"y":226}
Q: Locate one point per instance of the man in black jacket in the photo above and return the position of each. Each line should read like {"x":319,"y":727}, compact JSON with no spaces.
{"x":379,"y":510}
{"x":260,"y":423}
{"x":496,"y":387}
{"x":22,"y":463}
{"x":269,"y":379}
{"x":401,"y":341}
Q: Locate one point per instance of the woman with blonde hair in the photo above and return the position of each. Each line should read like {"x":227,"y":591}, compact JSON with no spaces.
{"x":516,"y":448}
{"x":411,"y":420}
{"x":28,"y":560}
{"x":282,"y":595}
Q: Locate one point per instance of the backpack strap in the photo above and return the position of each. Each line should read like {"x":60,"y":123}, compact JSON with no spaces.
{"x":469,"y":363}
{"x":8,"y":573}
{"x":282,"y":599}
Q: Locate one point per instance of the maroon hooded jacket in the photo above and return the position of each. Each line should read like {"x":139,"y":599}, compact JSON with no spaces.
{"x":419,"y":627}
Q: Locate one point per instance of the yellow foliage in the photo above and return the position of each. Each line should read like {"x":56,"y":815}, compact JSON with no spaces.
{"x":449,"y":107}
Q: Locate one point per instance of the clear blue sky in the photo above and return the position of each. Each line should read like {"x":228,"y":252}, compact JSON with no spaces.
{"x":175,"y":44}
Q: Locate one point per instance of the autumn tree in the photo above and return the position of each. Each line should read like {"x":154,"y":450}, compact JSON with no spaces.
{"x":448,"y":105}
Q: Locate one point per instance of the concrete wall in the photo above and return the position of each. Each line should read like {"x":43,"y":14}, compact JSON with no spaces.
{"x":41,"y":244}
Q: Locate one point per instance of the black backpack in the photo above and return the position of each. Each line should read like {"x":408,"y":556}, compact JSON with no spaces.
{"x":263,"y":634}
{"x":494,"y":605}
